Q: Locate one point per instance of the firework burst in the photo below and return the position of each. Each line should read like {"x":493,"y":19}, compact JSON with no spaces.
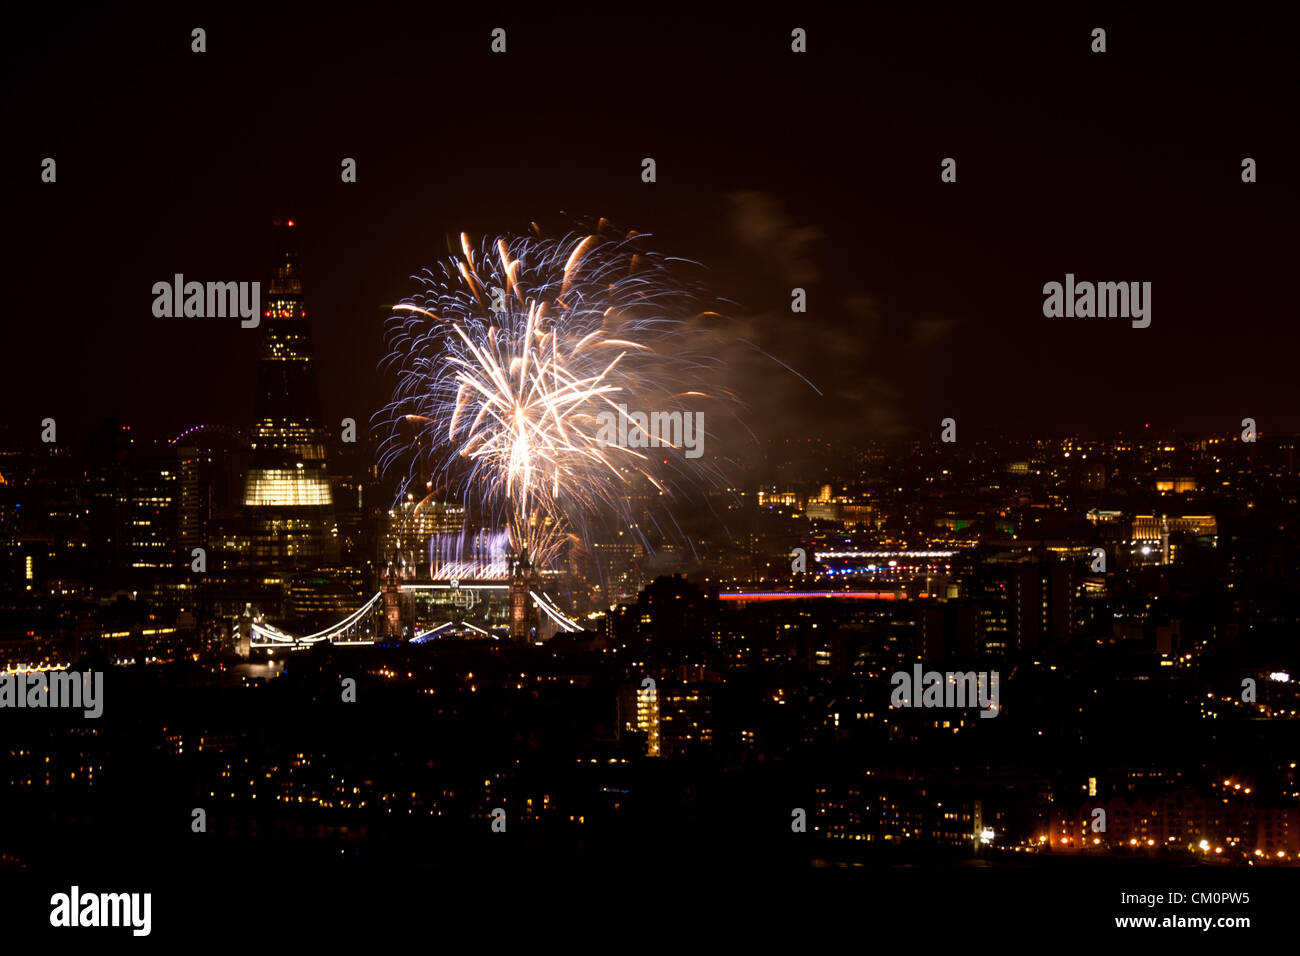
{"x":512,"y":355}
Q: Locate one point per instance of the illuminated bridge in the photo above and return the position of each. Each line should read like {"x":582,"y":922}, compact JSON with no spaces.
{"x":844,"y":594}
{"x":417,"y":613}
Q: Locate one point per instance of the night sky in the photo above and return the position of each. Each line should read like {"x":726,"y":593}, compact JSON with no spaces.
{"x":774,"y":170}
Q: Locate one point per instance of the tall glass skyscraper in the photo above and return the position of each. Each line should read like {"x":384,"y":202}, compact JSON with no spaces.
{"x":288,"y":506}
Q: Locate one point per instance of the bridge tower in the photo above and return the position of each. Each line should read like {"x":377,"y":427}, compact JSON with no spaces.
{"x":523,"y":580}
{"x":392,"y":602}
{"x":244,"y":633}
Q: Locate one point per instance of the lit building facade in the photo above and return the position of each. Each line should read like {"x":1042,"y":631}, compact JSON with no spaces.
{"x":288,"y":503}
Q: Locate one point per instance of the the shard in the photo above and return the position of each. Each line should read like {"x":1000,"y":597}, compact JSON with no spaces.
{"x":288,"y":505}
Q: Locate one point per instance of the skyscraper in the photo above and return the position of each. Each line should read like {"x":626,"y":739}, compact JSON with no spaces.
{"x":288,"y":505}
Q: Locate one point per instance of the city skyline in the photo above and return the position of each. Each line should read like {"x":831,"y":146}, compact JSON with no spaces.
{"x":602,"y":474}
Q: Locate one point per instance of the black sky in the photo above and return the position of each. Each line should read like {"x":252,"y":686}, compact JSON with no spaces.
{"x":774,"y":170}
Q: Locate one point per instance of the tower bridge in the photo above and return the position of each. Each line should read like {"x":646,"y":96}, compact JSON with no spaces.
{"x":409,"y":612}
